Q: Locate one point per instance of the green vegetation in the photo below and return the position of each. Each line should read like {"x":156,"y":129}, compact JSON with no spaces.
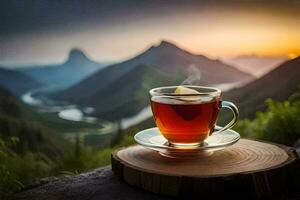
{"x":134,"y":93}
{"x":280,"y":123}
{"x":17,"y":169}
{"x":32,"y":147}
{"x":29,"y":151}
{"x":55,"y":123}
{"x":16,"y":121}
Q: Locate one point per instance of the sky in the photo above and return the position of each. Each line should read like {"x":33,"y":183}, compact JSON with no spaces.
{"x":43,"y":32}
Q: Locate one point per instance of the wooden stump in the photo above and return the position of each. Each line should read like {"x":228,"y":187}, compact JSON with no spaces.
{"x":249,"y":168}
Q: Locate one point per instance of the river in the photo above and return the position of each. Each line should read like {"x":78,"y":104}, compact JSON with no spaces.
{"x":75,"y":113}
{"x":94,"y":132}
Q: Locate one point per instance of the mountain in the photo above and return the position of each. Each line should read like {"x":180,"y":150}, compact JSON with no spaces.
{"x":129,"y":94}
{"x":255,"y":65}
{"x":77,"y":67}
{"x":17,"y":82}
{"x":166,"y":57}
{"x":125,"y":85}
{"x":279,"y":84}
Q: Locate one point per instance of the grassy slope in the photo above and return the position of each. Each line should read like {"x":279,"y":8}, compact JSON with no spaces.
{"x":279,"y":84}
{"x":115,"y":102}
{"x":53,"y":122}
{"x":17,"y":119}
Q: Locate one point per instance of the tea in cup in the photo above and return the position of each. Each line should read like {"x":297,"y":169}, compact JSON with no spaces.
{"x":187,"y":115}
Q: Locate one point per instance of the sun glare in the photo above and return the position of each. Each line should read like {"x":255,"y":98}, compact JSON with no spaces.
{"x":293,"y":55}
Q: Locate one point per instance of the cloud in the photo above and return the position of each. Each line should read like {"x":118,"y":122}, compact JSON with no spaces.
{"x":18,"y":17}
{"x":118,"y":29}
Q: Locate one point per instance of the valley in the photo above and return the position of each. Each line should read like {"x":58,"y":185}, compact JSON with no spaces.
{"x":70,"y":120}
{"x":82,"y":98}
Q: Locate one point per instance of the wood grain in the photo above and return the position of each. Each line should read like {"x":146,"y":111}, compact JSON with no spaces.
{"x":250,"y":167}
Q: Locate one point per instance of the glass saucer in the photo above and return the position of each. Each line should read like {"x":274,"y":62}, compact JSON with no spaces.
{"x":152,"y":138}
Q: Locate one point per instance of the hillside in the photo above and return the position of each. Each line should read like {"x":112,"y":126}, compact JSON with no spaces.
{"x":77,"y":67}
{"x":17,"y":82}
{"x":279,"y":84}
{"x":127,"y":95}
{"x":14,"y":122}
{"x":165,"y":63}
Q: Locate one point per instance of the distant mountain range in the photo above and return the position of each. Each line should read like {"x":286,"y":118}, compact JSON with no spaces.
{"x":279,"y":84}
{"x":77,"y":67}
{"x":255,"y":65}
{"x":121,"y":89}
{"x":17,"y":82}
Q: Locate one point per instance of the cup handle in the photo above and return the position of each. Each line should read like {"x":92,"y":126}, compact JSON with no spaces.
{"x":235,"y":111}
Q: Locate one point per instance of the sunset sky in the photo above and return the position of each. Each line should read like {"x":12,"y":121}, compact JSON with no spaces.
{"x":37,"y":32}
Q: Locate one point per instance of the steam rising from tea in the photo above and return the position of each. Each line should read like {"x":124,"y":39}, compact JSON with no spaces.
{"x":194,"y":76}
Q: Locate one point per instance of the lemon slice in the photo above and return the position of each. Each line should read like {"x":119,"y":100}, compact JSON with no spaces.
{"x":185,"y":90}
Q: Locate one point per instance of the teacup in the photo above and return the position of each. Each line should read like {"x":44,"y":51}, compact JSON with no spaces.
{"x":188,"y":117}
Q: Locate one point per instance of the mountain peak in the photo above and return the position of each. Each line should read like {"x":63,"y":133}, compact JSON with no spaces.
{"x":166,"y":47}
{"x":166,"y":44}
{"x":77,"y":54}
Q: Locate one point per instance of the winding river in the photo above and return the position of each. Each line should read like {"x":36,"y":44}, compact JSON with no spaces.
{"x":77,"y":113}
{"x":98,"y":135}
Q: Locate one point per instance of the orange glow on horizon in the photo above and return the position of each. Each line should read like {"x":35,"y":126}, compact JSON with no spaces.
{"x":216,"y":33}
{"x":245,"y":34}
{"x":293,"y":55}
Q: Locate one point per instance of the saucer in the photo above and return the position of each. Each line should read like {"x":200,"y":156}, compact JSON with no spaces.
{"x":152,"y":138}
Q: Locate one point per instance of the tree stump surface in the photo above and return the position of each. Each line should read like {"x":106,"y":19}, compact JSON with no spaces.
{"x":253,"y":168}
{"x":281,"y":181}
